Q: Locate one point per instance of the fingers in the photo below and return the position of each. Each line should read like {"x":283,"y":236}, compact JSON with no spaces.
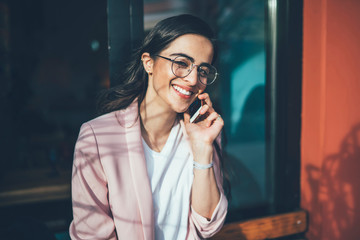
{"x":204,"y":109}
{"x":207,"y":104}
{"x":206,"y":118}
{"x":187,"y":117}
{"x":206,"y":98}
{"x":208,"y":114}
{"x":214,"y":118}
{"x":204,"y":113}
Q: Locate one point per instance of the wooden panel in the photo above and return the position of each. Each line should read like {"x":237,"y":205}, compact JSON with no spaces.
{"x":265,"y":228}
{"x":36,"y":185}
{"x":38,"y":194}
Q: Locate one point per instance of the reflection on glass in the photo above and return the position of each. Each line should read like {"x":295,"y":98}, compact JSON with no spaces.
{"x":242,"y":68}
{"x":57,"y":62}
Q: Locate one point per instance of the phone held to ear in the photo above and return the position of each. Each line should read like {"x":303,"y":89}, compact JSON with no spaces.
{"x":194,"y":110}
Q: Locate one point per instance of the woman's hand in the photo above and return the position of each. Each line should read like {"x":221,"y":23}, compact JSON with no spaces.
{"x":205,"y":194}
{"x":203,"y":133}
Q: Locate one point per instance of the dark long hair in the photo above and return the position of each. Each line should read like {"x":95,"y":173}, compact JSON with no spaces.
{"x":135,"y":82}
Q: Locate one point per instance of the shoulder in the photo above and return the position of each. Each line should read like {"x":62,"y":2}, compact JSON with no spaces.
{"x":110,"y":125}
{"x":90,"y":128}
{"x":123,"y":118}
{"x":102,"y":120}
{"x":103,"y":133}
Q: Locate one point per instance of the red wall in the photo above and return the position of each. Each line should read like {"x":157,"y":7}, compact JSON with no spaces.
{"x":330,"y":144}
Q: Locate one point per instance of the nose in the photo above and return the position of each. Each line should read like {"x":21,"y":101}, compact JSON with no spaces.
{"x":192,"y":78}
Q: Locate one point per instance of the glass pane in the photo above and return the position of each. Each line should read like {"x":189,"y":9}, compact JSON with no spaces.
{"x":56,"y":61}
{"x":241,"y":33}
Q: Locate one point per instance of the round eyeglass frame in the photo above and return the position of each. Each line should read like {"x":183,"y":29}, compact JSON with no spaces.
{"x":191,"y":68}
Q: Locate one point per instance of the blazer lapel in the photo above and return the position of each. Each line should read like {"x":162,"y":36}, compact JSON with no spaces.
{"x":131,"y":120}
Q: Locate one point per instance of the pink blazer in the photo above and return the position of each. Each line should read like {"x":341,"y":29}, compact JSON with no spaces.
{"x":111,"y":193}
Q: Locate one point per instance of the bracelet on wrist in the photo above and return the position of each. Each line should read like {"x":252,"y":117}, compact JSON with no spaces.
{"x":202,"y":166}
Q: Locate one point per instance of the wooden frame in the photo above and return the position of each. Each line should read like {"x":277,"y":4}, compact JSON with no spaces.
{"x":34,"y":186}
{"x":265,"y":228}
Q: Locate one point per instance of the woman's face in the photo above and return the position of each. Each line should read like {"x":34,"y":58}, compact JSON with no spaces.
{"x":169,"y":91}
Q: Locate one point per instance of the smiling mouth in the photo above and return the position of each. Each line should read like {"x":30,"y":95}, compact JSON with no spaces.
{"x":181,"y":90}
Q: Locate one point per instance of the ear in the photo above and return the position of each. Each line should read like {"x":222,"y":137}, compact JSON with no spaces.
{"x":148,"y":62}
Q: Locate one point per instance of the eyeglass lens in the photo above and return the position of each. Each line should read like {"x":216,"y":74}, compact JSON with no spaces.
{"x":182,"y":67}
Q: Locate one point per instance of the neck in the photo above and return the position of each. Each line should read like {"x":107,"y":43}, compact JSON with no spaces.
{"x":156,"y":123}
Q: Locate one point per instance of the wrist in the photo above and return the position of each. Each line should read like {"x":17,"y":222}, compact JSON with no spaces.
{"x":203,"y":155}
{"x":200,"y":166}
{"x":203,"y":148}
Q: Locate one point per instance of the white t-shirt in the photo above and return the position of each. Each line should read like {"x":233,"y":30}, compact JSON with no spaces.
{"x":171,"y":177}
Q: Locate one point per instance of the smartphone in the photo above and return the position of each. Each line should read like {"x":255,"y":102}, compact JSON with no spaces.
{"x":194,"y":110}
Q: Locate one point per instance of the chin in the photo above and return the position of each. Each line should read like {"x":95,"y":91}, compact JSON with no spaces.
{"x":180,"y":109}
{"x":179,"y":106}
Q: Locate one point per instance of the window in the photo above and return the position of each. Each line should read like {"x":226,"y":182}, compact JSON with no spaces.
{"x":53,"y":61}
{"x":258,"y":94}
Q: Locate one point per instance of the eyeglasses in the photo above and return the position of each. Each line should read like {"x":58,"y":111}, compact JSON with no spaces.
{"x":182,"y":67}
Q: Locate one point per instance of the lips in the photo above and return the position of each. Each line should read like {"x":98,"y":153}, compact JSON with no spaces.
{"x":182,"y":90}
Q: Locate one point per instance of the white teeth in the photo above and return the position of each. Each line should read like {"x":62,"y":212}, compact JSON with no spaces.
{"x":183,"y":91}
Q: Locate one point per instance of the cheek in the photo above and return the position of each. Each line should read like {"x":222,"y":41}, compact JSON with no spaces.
{"x":161,"y":82}
{"x":162,"y":77}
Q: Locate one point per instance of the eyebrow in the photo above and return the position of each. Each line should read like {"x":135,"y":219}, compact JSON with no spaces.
{"x":183,"y":55}
{"x":190,"y":58}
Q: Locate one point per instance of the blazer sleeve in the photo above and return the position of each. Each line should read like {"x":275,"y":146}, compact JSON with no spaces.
{"x":92,"y":218}
{"x":207,"y":228}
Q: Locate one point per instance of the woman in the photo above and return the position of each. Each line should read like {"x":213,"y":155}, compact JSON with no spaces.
{"x":142,"y":170}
